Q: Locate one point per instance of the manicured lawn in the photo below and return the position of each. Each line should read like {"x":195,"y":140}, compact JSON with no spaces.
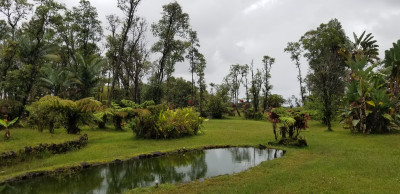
{"x":334,"y":161}
{"x":30,"y":137}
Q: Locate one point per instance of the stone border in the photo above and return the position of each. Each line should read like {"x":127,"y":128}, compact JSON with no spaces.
{"x":84,"y":165}
{"x":30,"y":152}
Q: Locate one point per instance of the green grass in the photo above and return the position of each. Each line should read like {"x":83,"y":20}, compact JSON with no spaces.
{"x":29,"y":137}
{"x":336,"y":161}
{"x":108,"y":145}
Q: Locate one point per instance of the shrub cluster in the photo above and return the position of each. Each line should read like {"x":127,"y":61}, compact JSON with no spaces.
{"x":157,"y":122}
{"x":216,"y":107}
{"x":51,"y":111}
{"x":8,"y":158}
{"x":292,"y":122}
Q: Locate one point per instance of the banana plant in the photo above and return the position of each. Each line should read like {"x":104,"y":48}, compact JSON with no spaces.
{"x":392,"y":63}
{"x":7,"y":124}
{"x":369,"y":103}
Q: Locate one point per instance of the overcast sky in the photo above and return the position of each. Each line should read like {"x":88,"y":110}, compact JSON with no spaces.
{"x":239,"y":31}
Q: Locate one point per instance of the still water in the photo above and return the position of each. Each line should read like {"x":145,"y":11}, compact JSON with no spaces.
{"x":172,"y":168}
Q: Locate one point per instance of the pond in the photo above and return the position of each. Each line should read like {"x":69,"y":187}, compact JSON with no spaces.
{"x":171,"y":168}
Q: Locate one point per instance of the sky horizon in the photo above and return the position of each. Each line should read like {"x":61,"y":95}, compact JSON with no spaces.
{"x":239,"y":31}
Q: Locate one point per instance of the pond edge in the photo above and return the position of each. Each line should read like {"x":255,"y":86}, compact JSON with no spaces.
{"x":85,"y":165}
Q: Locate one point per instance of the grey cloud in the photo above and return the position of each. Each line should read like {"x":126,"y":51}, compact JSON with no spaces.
{"x":237,"y":31}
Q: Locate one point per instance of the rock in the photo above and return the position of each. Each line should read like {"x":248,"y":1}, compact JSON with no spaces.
{"x":85,"y":165}
{"x":156,"y":154}
{"x":117,"y":161}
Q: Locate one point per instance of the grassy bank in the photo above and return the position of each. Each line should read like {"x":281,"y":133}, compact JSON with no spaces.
{"x":108,"y":145}
{"x":334,"y":161}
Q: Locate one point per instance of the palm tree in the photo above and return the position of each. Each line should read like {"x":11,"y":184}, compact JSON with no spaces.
{"x":54,"y":80}
{"x":88,"y":75}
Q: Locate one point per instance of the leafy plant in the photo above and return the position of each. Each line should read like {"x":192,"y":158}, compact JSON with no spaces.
{"x":52,"y":109}
{"x":216,"y":107}
{"x":7,"y":124}
{"x":166,"y":124}
{"x":369,"y":106}
{"x":291,"y":121}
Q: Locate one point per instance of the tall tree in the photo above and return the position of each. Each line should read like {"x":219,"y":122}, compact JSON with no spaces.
{"x":327,"y":66}
{"x":192,"y":56}
{"x":234,"y":79}
{"x":34,"y":46}
{"x":118,"y":54}
{"x":267,"y":64}
{"x":170,"y":29}
{"x":87,"y":27}
{"x":294,"y":49}
{"x":15,"y":11}
{"x":201,"y":81}
{"x":256,"y":84}
{"x":245,"y":72}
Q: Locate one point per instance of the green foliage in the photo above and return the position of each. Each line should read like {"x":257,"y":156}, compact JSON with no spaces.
{"x":392,"y":65}
{"x":51,"y":110}
{"x":215,"y":107}
{"x":145,"y":104}
{"x":292,"y":122}
{"x":369,"y":106}
{"x":166,"y":124}
{"x":326,"y":78}
{"x":178,"y":92}
{"x":129,"y":103}
{"x":267,"y":64}
{"x":170,"y":29}
{"x":275,"y":100}
{"x":294,"y":49}
{"x":7,"y":124}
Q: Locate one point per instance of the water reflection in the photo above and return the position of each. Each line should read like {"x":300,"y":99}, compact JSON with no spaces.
{"x":174,"y":168}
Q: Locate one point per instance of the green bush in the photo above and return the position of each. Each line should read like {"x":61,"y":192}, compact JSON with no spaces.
{"x":52,"y":110}
{"x":250,"y":114}
{"x":216,"y":107}
{"x":165,"y":124}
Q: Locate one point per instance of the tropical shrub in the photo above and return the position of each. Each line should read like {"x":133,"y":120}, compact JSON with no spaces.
{"x":216,"y":107}
{"x":51,"y":110}
{"x":369,"y":106}
{"x":166,"y":124}
{"x":292,"y":122}
{"x":5,"y":123}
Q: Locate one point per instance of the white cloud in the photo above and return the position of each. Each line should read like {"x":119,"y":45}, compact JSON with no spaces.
{"x":259,"y":4}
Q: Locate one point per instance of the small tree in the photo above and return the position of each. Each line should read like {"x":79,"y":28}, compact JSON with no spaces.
{"x":294,"y":48}
{"x":267,"y":64}
{"x":5,"y":123}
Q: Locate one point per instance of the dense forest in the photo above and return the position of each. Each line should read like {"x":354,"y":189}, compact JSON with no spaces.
{"x":50,"y":50}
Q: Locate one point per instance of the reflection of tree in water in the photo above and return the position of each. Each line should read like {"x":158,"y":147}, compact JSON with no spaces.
{"x":83,"y":182}
{"x":271,"y":154}
{"x":240,"y":154}
{"x":139,"y":173}
{"x":118,"y":177}
{"x":199,"y":167}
